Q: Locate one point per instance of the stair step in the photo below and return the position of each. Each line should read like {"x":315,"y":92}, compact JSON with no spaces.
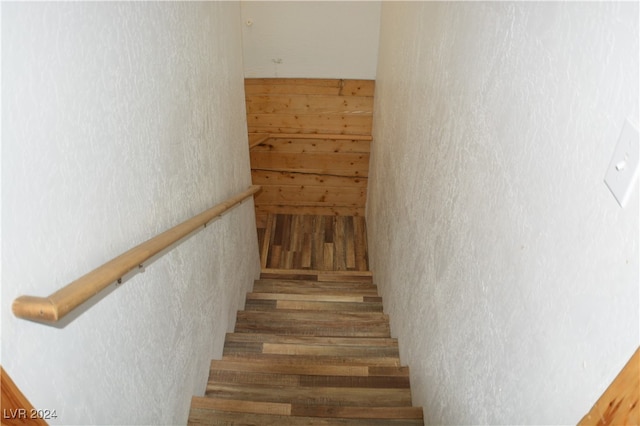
{"x":259,"y":304}
{"x":307,"y":366}
{"x":297,"y":350}
{"x":306,"y":395}
{"x":294,"y":315}
{"x":311,"y":340}
{"x":311,"y":287}
{"x":363,"y":324}
{"x":224,"y":418}
{"x":277,"y":344}
{"x":280,"y":379}
{"x":317,"y":359}
{"x":207,"y":410}
{"x":324,"y":297}
{"x":317,"y":275}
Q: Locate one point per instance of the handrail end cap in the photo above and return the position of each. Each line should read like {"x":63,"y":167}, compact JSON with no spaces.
{"x":34,"y":308}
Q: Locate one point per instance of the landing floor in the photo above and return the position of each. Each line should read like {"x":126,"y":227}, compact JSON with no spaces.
{"x":322,"y":243}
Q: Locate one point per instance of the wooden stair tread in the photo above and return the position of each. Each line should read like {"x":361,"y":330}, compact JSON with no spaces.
{"x":317,"y":275}
{"x":316,"y":328}
{"x":285,"y":366}
{"x":315,"y":359}
{"x":311,"y":380}
{"x":295,"y":315}
{"x":306,"y":395}
{"x":260,"y":343}
{"x":313,"y":316}
{"x":212,"y":417}
{"x":260,"y":304}
{"x":317,"y":296}
{"x":276,"y":338}
{"x":276,"y":283}
{"x":364,"y":324}
{"x":289,"y":409}
{"x":288,"y":349}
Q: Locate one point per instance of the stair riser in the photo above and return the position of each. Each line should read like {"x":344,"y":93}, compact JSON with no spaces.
{"x":296,"y":317}
{"x":289,"y":349}
{"x":312,"y":360}
{"x":274,"y":305}
{"x":294,"y":284}
{"x":333,"y":341}
{"x":361,"y":397}
{"x":318,"y":411}
{"x":233,"y":377}
{"x":348,"y":367}
{"x":201,"y":416}
{"x":316,"y":276}
{"x":316,"y":329}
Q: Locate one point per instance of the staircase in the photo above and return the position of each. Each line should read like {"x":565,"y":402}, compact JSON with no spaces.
{"x":312,"y":351}
{"x":312,"y":346}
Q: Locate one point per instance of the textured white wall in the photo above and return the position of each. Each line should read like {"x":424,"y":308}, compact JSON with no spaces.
{"x":119,"y":121}
{"x":311,"y":39}
{"x":508,"y":269}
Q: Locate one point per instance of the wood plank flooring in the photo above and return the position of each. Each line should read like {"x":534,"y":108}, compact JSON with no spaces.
{"x":310,"y":242}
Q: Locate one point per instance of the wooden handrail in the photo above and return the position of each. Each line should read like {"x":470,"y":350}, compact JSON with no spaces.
{"x":54,"y":307}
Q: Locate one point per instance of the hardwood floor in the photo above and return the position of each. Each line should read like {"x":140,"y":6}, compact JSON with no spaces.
{"x":322,"y":243}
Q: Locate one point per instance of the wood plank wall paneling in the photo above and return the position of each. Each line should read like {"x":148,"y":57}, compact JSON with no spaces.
{"x":309,"y":123}
{"x":309,"y":104}
{"x":310,"y":142}
{"x":309,"y":86}
{"x":620,"y":403}
{"x":16,"y":408}
{"x":351,"y":164}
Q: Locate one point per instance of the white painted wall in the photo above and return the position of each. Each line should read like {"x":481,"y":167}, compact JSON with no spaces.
{"x":121,"y":120}
{"x":310,"y":39}
{"x":509,"y":271}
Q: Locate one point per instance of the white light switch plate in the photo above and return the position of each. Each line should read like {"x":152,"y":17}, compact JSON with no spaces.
{"x":623,"y":169}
